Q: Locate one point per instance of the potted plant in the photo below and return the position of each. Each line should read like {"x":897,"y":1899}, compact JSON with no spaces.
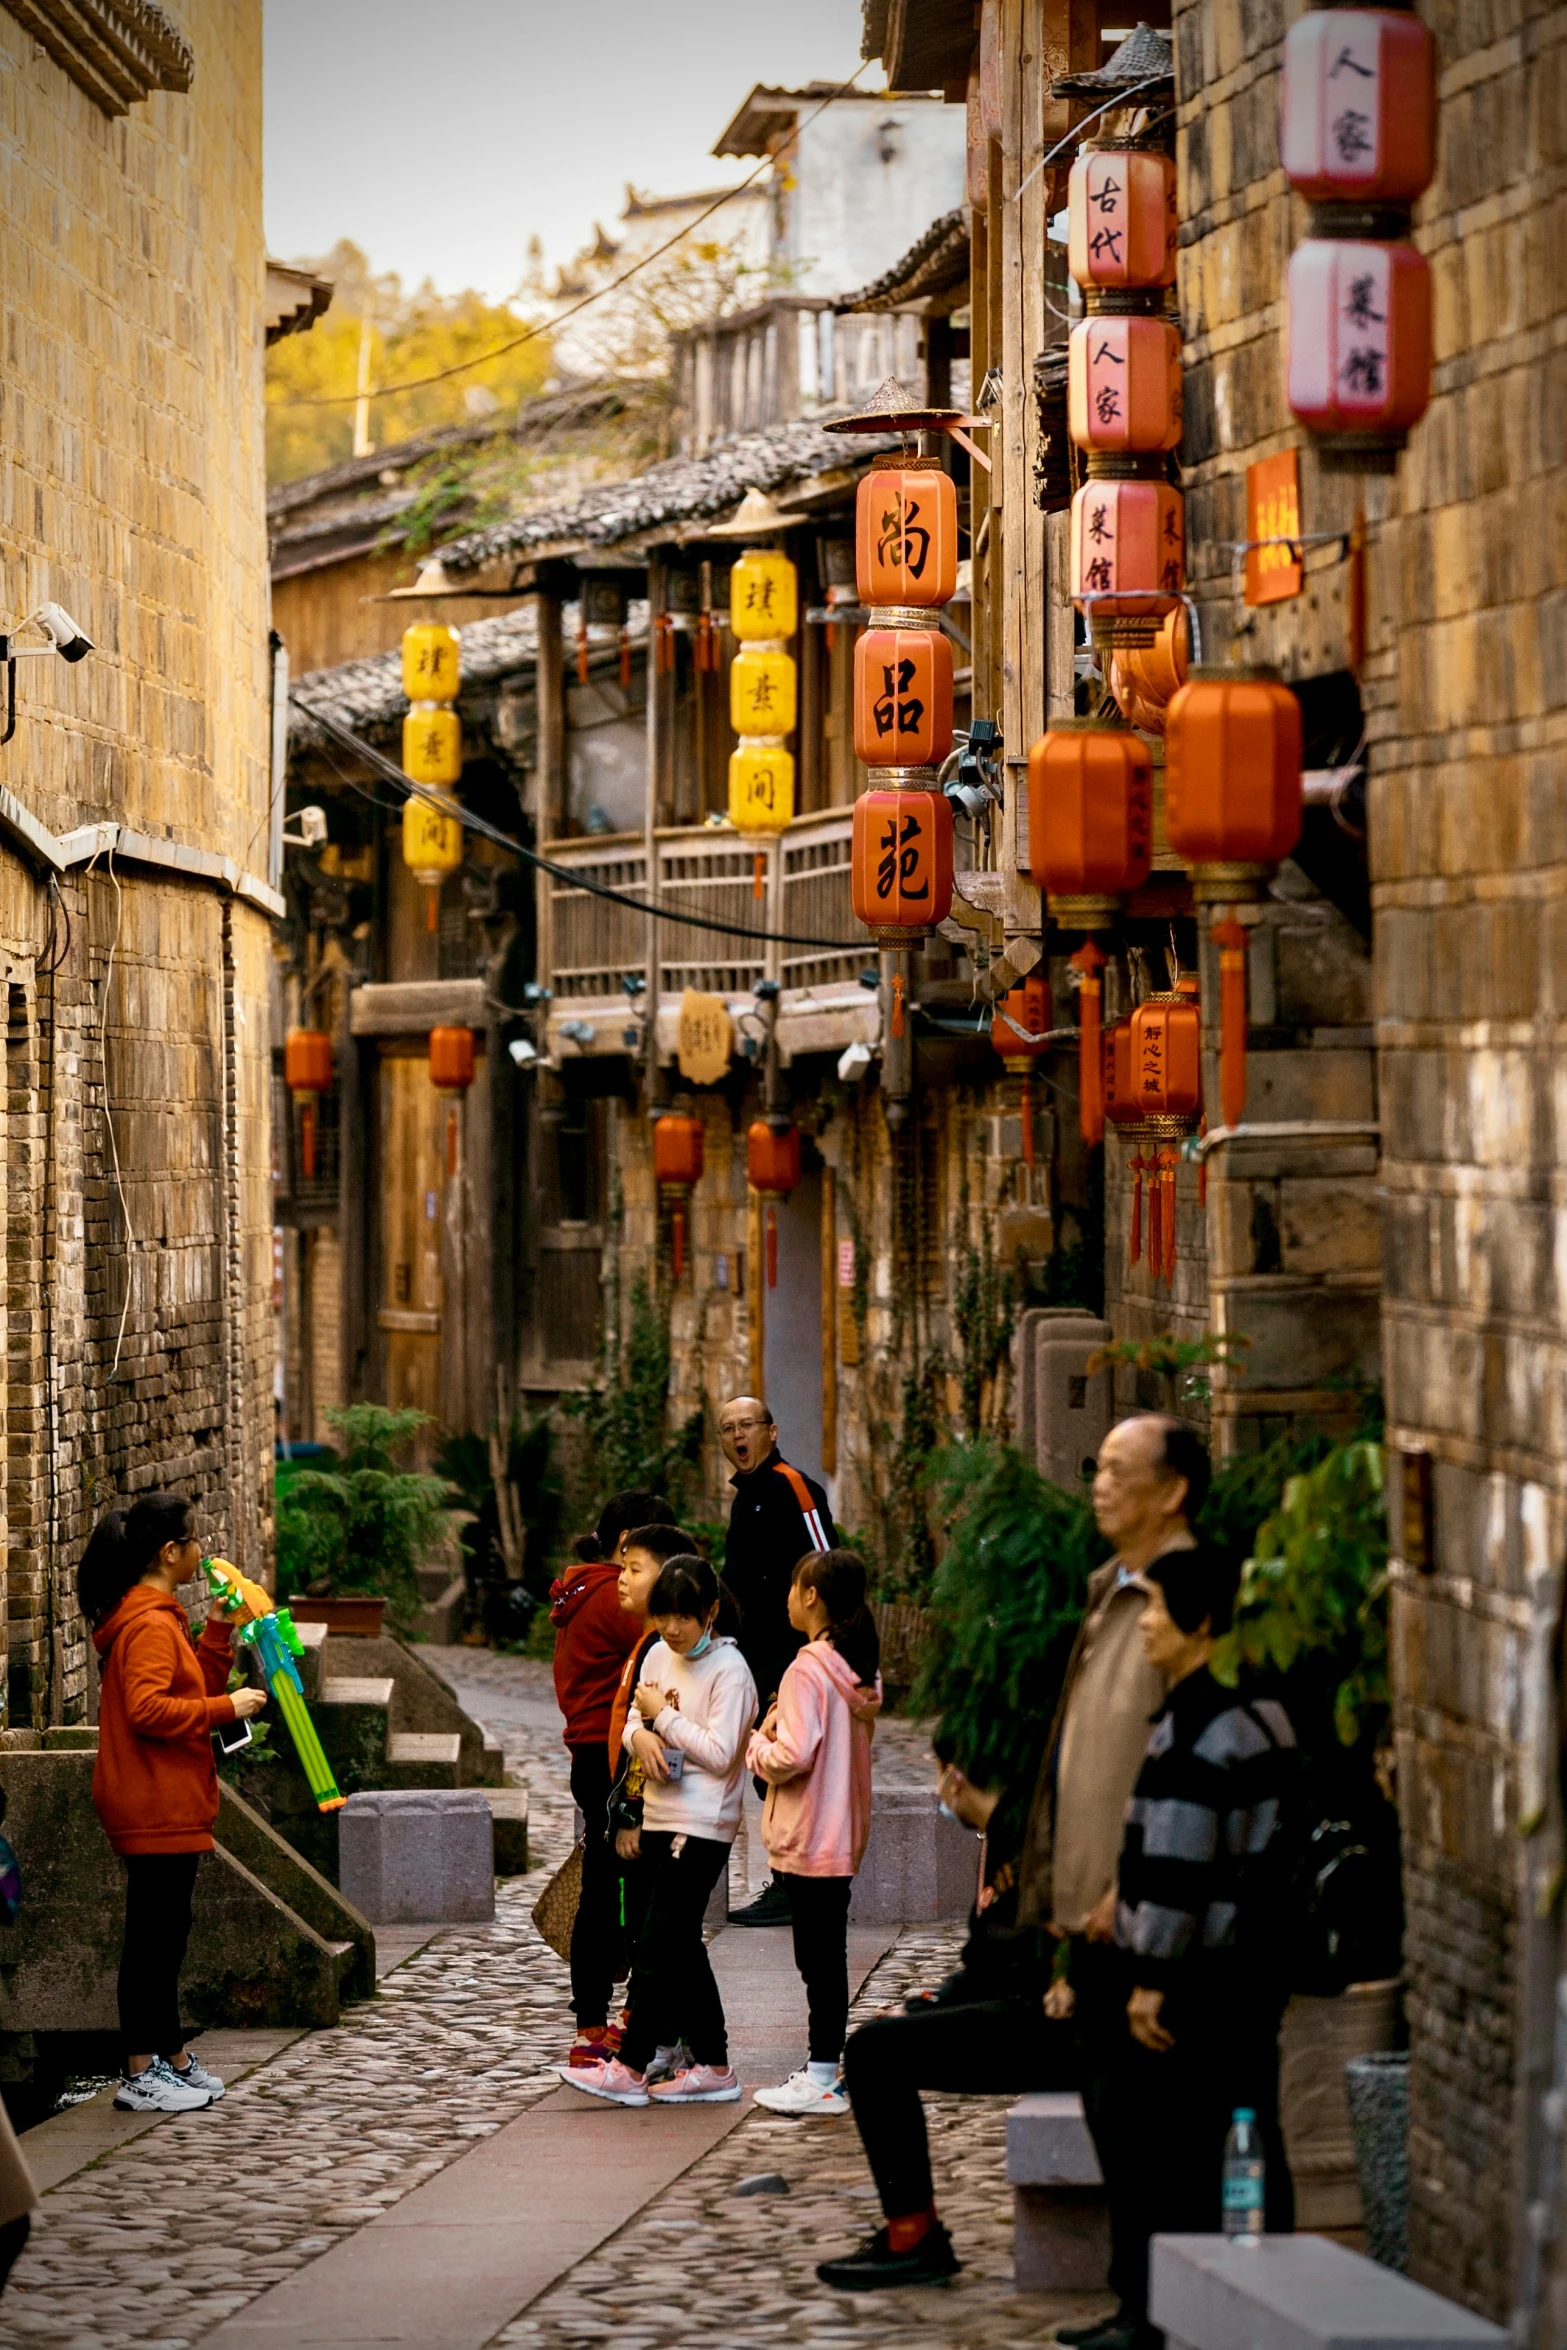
{"x":349,"y":1538}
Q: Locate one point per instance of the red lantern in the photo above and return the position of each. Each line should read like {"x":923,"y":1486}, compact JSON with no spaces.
{"x":1088,"y":963}
{"x":1359,"y":343}
{"x":902,"y":697}
{"x":901,"y":870}
{"x":906,"y":536}
{"x":1166,"y":1054}
{"x":772,"y":1167}
{"x":451,"y":1073}
{"x":1090,"y":818}
{"x":678,"y":1140}
{"x":1019,"y":1031}
{"x":307,"y":1072}
{"x":1121,"y":217}
{"x":1124,"y":386}
{"x":1357,"y":119}
{"x":1232,"y":787}
{"x":1128,"y":562}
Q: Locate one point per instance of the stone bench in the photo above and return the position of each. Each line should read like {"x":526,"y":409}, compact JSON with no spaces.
{"x":918,"y":1866}
{"x":1299,"y":2293}
{"x":415,"y":1858}
{"x":1061,"y":2230}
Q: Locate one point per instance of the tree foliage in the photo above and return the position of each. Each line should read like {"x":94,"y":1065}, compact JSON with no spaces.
{"x":625,"y":1415}
{"x":363,"y":1525}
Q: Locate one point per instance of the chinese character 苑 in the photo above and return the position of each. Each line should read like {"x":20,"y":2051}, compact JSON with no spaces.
{"x":1349,"y":134}
{"x":1107,"y":403}
{"x":1362,"y":370}
{"x":1357,"y":307}
{"x":900,"y":860}
{"x":903,"y":540}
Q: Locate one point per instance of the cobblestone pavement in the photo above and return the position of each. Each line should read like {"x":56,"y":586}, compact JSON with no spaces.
{"x":701,"y":2265}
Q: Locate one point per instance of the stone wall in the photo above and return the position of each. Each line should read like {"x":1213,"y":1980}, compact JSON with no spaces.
{"x":136,"y":1132}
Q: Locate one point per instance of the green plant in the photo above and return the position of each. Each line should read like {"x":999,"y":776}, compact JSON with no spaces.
{"x":1313,"y":1597}
{"x":984,"y":1313}
{"x":1007,"y":1598}
{"x":363,"y":1525}
{"x":908,"y":1551}
{"x":1179,"y":1362}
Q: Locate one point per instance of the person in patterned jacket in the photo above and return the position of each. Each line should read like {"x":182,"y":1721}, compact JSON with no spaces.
{"x":1199,"y":1920}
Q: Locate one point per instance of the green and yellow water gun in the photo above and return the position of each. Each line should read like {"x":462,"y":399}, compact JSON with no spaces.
{"x":271,"y":1634}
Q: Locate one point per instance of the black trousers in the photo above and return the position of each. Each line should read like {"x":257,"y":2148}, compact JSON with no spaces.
{"x":984,"y":2047}
{"x":674,"y":1995}
{"x":159,"y":1887}
{"x":1171,"y":2115}
{"x":597,"y":1943}
{"x":819,"y":1916}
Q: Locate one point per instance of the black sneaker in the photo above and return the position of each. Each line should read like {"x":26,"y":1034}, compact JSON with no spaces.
{"x":1081,"y":2337}
{"x":770,"y":1908}
{"x":874,"y":2264}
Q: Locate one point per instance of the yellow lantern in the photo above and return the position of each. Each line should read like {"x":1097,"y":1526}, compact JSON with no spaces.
{"x":762,"y":692}
{"x":761,"y":787}
{"x":432,"y":662}
{"x":763,"y":597}
{"x":432,"y":847}
{"x":432,"y":744}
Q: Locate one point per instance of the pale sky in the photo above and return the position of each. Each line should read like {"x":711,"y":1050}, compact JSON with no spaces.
{"x":441,"y":136}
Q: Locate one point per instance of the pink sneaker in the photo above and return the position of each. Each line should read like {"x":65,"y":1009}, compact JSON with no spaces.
{"x":611,"y":2080}
{"x":700,"y":2084}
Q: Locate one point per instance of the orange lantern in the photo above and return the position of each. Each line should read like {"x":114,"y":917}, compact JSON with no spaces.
{"x":902,"y":697}
{"x":1232,"y":790}
{"x":1019,"y":1031}
{"x":1357,"y":118}
{"x":1090,"y":818}
{"x":1166,"y":1051}
{"x":451,"y":1073}
{"x":307,"y":1072}
{"x":678,"y":1141}
{"x":1124,"y":1112}
{"x":901,"y":869}
{"x":1128,"y":561}
{"x":906,"y":536}
{"x":1123,"y":383}
{"x":772,"y":1167}
{"x":1143,"y":680}
{"x":1088,"y":963}
{"x":1359,"y":344}
{"x":1121,"y":217}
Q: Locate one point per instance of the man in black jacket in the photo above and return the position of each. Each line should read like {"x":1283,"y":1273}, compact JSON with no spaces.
{"x":777,"y":1516}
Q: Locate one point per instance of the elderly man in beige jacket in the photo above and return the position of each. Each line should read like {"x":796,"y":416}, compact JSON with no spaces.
{"x":1150,"y":1480}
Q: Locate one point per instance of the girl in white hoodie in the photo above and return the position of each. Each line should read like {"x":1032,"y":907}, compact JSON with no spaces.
{"x":814,"y":1751}
{"x":690,"y":1717}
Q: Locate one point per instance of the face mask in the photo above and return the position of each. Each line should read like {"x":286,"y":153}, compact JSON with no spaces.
{"x":948,"y":1813}
{"x":701,"y":1648}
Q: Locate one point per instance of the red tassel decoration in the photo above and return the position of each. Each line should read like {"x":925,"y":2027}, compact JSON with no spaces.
{"x":625,"y":658}
{"x":1229,"y":937}
{"x":1089,"y":961}
{"x":677,"y":1240}
{"x":1169,"y":1161}
{"x":307,"y":1137}
{"x":704,"y":642}
{"x":1155,"y":1220}
{"x":664,"y":652}
{"x":451,"y":1144}
{"x":772,"y":1246}
{"x":1135,"y":1251}
{"x":759,"y":874}
{"x":582,"y":654}
{"x":897,"y":1003}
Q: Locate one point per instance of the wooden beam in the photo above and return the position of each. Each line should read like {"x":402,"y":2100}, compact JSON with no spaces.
{"x":829,"y":1249}
{"x":1023,"y":618}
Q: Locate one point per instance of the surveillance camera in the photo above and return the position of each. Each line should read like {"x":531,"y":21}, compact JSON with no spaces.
{"x":522,"y":1052}
{"x":853,"y":1063}
{"x":70,"y":641}
{"x":312,"y":826}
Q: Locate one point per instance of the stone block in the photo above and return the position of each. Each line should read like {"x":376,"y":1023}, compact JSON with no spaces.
{"x":509,"y":1812}
{"x":439,"y":1621}
{"x":1073,"y":1406}
{"x":918,"y":1866}
{"x":1061,"y":2228}
{"x":1317,"y":2039}
{"x":418,"y":1858}
{"x":1298,"y":2293}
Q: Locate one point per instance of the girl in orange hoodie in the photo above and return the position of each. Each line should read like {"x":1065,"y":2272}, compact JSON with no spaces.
{"x":155,"y":1784}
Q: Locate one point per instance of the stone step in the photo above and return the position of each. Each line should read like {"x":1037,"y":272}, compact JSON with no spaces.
{"x":340,"y":1690}
{"x":509,"y":1811}
{"x":423,"y":1758}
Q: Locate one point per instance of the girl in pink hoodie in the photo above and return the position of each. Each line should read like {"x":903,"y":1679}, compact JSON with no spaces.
{"x":814,"y":1751}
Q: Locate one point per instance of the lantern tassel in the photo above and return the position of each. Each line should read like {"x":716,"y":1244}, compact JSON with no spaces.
{"x":772,"y":1246}
{"x":704,"y":641}
{"x":432,"y":917}
{"x":582,"y":655}
{"x":1169,"y":1161}
{"x":625,"y":659}
{"x":1027,"y":1107}
{"x":1088,"y":962}
{"x":307,"y":1138}
{"x":1135,"y":1250}
{"x":897,"y":1003}
{"x":1155,"y":1220}
{"x":451,"y":1143}
{"x":1230,"y":938}
{"x":759,"y":874}
{"x":677,"y":1240}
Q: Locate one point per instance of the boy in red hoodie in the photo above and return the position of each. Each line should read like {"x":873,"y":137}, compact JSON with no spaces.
{"x":593,"y":1638}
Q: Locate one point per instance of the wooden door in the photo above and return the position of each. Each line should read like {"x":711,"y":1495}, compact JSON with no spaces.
{"x":412,"y":1166}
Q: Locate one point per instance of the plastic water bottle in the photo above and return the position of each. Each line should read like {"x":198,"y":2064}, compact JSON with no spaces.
{"x":1245,"y":2179}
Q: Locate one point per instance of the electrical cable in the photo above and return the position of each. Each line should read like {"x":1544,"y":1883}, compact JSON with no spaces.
{"x":547,"y":326}
{"x":574,"y":880}
{"x":108,"y":1113}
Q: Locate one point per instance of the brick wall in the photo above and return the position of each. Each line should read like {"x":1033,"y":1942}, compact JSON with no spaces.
{"x":137,"y":1298}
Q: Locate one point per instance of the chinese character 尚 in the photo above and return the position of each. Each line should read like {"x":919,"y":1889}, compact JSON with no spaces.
{"x":903,"y":539}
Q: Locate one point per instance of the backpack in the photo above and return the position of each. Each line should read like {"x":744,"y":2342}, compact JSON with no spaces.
{"x":1326,"y":1887}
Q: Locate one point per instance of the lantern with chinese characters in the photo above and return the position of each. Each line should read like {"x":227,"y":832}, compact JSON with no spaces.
{"x":900,"y":875}
{"x":432,"y":847}
{"x":677,"y":1170}
{"x":902,"y":697}
{"x":451,"y":1073}
{"x":432,"y":744}
{"x":1124,"y":383}
{"x":1166,"y":1054}
{"x":772,"y":1167}
{"x":906,"y":536}
{"x":432,"y":662}
{"x":762,"y":691}
{"x":1020,"y":1033}
{"x":307,"y":1072}
{"x":1121,"y":217}
{"x":1357,"y":116}
{"x":1359,"y":346}
{"x":1090,"y":819}
{"x":761,"y":788}
{"x":1124,"y":1113}
{"x":1232,"y":790}
{"x":764,"y":599}
{"x":1128,"y":560}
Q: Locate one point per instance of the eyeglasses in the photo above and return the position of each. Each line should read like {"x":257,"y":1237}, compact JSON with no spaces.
{"x":739,"y":1427}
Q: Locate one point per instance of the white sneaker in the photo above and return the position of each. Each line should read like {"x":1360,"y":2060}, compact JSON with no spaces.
{"x":195,"y":2075}
{"x":160,"y":2090}
{"x":801,"y":2094}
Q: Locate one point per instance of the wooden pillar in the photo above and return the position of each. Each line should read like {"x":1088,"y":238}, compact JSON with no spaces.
{"x":1024,"y":618}
{"x":653,"y":813}
{"x":755,"y":1294}
{"x":356,"y":1104}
